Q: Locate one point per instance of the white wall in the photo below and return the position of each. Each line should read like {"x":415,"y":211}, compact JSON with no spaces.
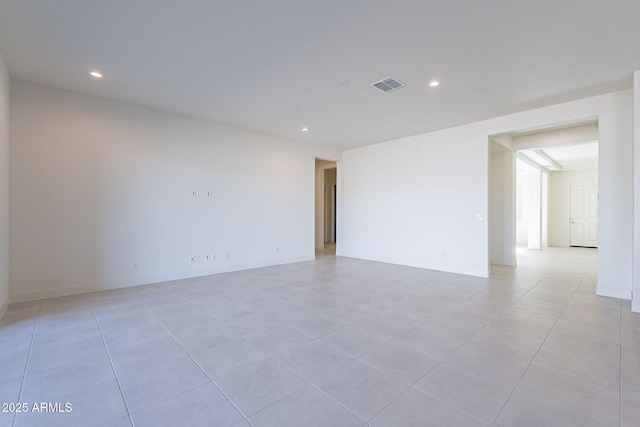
{"x":414,"y":200}
{"x":544,"y":210}
{"x":635,"y":306}
{"x":502,"y":204}
{"x":522,"y":226}
{"x":98,"y":186}
{"x":532,"y":229}
{"x":535,"y":210}
{"x":4,"y":186}
{"x":573,"y":134}
{"x":560,"y":203}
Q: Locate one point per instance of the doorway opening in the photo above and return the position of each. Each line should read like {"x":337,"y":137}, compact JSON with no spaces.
{"x":559,"y":202}
{"x":326,"y":207}
{"x":330,"y":206}
{"x":543,"y":190}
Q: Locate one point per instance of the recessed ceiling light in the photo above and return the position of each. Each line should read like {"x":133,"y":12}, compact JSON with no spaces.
{"x":305,"y":129}
{"x":96,"y":74}
{"x":434,"y":83}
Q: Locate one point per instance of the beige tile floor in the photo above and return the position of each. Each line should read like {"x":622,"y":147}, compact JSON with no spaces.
{"x":334,"y":342}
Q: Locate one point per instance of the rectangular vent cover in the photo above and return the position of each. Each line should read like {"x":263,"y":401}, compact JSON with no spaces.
{"x":388,"y":84}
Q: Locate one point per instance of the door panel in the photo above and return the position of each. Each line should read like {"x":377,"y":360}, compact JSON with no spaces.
{"x":584,"y":214}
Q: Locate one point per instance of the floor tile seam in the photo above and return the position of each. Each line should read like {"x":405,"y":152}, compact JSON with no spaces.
{"x":555,"y":347}
{"x":468,"y":298}
{"x":620,"y":361}
{"x":468,"y":339}
{"x":448,"y":404}
{"x":441,"y":362}
{"x":226,"y":396}
{"x":593,"y":321}
{"x":535,"y":355}
{"x":471,"y":371}
{"x":430,"y":397}
{"x":285,"y":323}
{"x":223,"y":323}
{"x":446,"y":336}
{"x":554,"y":404}
{"x":319,"y":337}
{"x":308,"y":382}
{"x":344,"y":322}
{"x":360,"y":355}
{"x":159,"y":402}
{"x":618,"y":365}
{"x":533,"y":286}
{"x":389,"y":375}
{"x":312,"y":384}
{"x":113,"y":369}
{"x":569,"y":374}
{"x":600,"y":338}
{"x":26,"y":363}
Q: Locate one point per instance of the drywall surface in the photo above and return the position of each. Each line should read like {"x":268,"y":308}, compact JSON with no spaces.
{"x":635,"y":304}
{"x":419,"y":201}
{"x":502,"y":208}
{"x":560,"y":203}
{"x":106,"y":195}
{"x":423,"y":200}
{"x":5,"y":85}
{"x":522,"y":208}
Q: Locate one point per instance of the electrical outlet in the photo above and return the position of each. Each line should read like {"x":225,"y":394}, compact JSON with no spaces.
{"x":228,"y":255}
{"x":209,"y":193}
{"x":213,"y":257}
{"x":192,"y":259}
{"x":134,"y":266}
{"x":194,"y":193}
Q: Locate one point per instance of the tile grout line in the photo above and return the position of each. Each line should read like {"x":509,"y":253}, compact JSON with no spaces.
{"x":26,"y":364}
{"x":194,"y":361}
{"x":453,"y":351}
{"x":309,"y":383}
{"x":113,"y":368}
{"x":479,"y":331}
{"x":544,"y":341}
{"x":620,"y":374}
{"x":577,"y":291}
{"x":441,"y":361}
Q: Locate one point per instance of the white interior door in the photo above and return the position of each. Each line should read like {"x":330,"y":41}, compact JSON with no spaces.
{"x":584,"y":213}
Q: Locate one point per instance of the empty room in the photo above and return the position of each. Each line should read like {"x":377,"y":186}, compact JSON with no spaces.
{"x":304,"y":213}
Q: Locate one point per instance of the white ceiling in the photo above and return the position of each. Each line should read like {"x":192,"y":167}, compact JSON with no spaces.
{"x":274,"y":66}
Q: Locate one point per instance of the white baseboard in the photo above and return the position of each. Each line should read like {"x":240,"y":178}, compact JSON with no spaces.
{"x":118,"y":284}
{"x":613,"y":293}
{"x":426,"y":266}
{"x":3,"y":308}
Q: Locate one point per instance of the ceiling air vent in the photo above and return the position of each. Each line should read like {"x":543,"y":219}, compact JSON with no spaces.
{"x":388,"y":84}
